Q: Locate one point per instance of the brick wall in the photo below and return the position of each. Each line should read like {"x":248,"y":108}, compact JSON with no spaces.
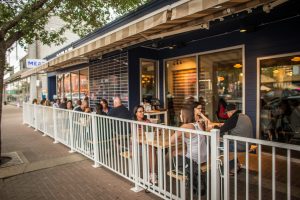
{"x":109,"y":78}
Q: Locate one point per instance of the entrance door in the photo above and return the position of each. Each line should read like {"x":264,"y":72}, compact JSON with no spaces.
{"x":220,"y":81}
{"x":148,"y":80}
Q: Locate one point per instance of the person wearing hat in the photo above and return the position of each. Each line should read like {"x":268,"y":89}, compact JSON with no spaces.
{"x":237,"y":124}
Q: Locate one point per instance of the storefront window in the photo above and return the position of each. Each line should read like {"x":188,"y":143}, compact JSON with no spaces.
{"x":280,"y":99}
{"x":148,"y":80}
{"x":60,"y":93}
{"x":84,"y":83}
{"x":220,"y":81}
{"x":181,"y":85}
{"x":67,"y":86}
{"x":75,"y":85}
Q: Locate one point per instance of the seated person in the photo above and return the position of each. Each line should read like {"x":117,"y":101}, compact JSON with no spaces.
{"x":201,"y":118}
{"x":138,"y":112}
{"x":237,"y":124}
{"x":192,"y":144}
{"x":82,"y":107}
{"x":119,"y":110}
{"x":221,"y":112}
{"x":105,"y":107}
{"x":99,"y":109}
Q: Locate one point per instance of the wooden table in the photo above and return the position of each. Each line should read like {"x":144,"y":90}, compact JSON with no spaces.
{"x":157,"y":113}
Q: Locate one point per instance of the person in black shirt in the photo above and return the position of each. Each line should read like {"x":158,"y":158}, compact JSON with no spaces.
{"x":63,"y":105}
{"x":82,"y":107}
{"x":119,"y":110}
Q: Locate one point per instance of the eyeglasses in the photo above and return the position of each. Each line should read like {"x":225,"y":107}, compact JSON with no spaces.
{"x":140,"y":111}
{"x":199,"y":107}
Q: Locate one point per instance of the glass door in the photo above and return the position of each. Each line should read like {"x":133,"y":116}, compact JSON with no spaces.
{"x":148,"y":80}
{"x":220,"y":82}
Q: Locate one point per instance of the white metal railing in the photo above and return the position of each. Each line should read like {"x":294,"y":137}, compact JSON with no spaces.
{"x":137,"y":151}
{"x":236,"y":148}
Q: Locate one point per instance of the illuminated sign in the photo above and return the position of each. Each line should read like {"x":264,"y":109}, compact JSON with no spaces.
{"x":32,"y":63}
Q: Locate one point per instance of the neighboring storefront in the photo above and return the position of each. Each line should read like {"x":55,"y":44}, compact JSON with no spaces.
{"x":17,"y":91}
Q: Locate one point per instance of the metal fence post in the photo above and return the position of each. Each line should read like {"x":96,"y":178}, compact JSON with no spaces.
{"x":44,"y":122}
{"x":135,"y":167}
{"x":24,"y":112}
{"x":226,"y":168}
{"x":35,"y":117}
{"x":30,"y":113}
{"x":71,"y":132}
{"x":55,"y":125}
{"x":95,"y":141}
{"x":215,"y":175}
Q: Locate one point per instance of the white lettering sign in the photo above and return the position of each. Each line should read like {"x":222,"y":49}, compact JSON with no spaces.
{"x":32,"y":63}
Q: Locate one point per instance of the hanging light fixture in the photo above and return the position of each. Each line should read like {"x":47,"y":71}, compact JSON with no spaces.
{"x":238,"y":65}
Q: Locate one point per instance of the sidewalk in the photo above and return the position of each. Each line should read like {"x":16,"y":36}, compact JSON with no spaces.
{"x":49,"y":171}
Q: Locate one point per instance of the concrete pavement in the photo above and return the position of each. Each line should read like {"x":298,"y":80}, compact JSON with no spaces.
{"x":49,"y":171}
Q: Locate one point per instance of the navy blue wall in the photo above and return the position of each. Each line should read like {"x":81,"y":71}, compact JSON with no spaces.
{"x":272,"y":36}
{"x":51,"y":87}
{"x":134,"y":72}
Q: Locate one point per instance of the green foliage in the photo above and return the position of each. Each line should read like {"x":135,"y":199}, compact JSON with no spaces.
{"x":25,"y":20}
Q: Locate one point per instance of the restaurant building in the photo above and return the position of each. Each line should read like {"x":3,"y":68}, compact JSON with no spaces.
{"x":244,"y":52}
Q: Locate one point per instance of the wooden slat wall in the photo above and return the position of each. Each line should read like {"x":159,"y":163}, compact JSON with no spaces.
{"x":184,"y":86}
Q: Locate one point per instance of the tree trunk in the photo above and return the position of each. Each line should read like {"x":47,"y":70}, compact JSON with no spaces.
{"x":2,"y":66}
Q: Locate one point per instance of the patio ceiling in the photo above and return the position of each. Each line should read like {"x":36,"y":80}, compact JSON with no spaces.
{"x":182,"y":16}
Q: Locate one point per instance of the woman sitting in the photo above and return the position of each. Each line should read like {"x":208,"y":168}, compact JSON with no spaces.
{"x":69,"y":105}
{"x":196,"y":146}
{"x":99,"y":109}
{"x":139,"y":116}
{"x":201,"y":118}
{"x":105,"y":107}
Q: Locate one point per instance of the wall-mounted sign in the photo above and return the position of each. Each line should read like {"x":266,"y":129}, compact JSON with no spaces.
{"x":32,"y":63}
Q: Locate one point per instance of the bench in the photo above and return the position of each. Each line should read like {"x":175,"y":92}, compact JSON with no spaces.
{"x":182,"y":178}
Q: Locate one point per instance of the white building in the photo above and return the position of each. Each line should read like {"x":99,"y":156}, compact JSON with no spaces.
{"x":35,"y":86}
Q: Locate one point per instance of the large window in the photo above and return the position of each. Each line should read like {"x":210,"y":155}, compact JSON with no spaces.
{"x":213,"y":79}
{"x":73,"y":85}
{"x":280,"y":98}
{"x":220,"y":78}
{"x":84,"y":83}
{"x":148,"y":79}
{"x":67,"y":86}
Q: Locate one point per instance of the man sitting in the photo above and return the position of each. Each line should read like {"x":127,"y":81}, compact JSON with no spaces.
{"x":237,"y":124}
{"x":82,"y":107}
{"x":119,"y":110}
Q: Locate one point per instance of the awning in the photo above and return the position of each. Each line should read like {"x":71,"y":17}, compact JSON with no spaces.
{"x":179,"y":17}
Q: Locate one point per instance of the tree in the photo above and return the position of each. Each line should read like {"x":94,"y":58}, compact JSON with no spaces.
{"x":24,"y":21}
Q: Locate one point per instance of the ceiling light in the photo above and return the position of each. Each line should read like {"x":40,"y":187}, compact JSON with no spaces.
{"x":296,"y":59}
{"x":238,"y":65}
{"x":243,"y":30}
{"x":221,"y":78}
